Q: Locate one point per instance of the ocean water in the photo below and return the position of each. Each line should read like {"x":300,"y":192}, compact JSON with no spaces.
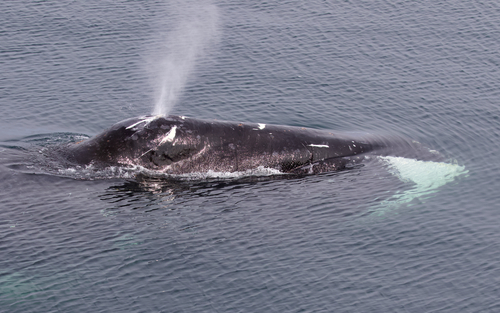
{"x":394,"y":235}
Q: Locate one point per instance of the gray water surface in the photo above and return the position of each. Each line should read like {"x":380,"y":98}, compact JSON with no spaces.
{"x":362,"y":240}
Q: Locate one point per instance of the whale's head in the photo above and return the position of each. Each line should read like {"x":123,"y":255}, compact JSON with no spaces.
{"x":149,"y":141}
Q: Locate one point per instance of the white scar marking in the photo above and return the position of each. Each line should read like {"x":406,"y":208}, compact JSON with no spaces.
{"x":319,"y":146}
{"x":169,"y":136}
{"x":144,"y":120}
{"x":183,"y":117}
{"x":145,"y":153}
{"x":261,"y":126}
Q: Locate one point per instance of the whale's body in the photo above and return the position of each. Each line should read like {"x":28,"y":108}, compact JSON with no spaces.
{"x":179,"y":145}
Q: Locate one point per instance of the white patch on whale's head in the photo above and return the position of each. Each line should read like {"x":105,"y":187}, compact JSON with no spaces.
{"x":146,"y":120}
{"x":170,"y":136}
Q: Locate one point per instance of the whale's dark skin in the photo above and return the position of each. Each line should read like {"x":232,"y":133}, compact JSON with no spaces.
{"x":179,"y":145}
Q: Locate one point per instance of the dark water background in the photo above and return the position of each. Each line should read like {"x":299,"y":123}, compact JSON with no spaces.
{"x":422,"y":69}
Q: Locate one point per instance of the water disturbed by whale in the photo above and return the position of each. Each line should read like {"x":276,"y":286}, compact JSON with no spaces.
{"x":175,"y":145}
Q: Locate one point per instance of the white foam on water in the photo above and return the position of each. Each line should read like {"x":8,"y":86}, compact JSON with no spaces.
{"x":426,"y":177}
{"x":259,"y":171}
{"x":89,"y":172}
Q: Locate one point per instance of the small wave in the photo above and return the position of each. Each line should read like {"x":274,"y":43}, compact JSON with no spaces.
{"x":91,"y":172}
{"x":259,"y":171}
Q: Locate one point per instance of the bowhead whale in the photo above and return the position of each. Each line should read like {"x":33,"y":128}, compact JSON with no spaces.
{"x":179,"y":145}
